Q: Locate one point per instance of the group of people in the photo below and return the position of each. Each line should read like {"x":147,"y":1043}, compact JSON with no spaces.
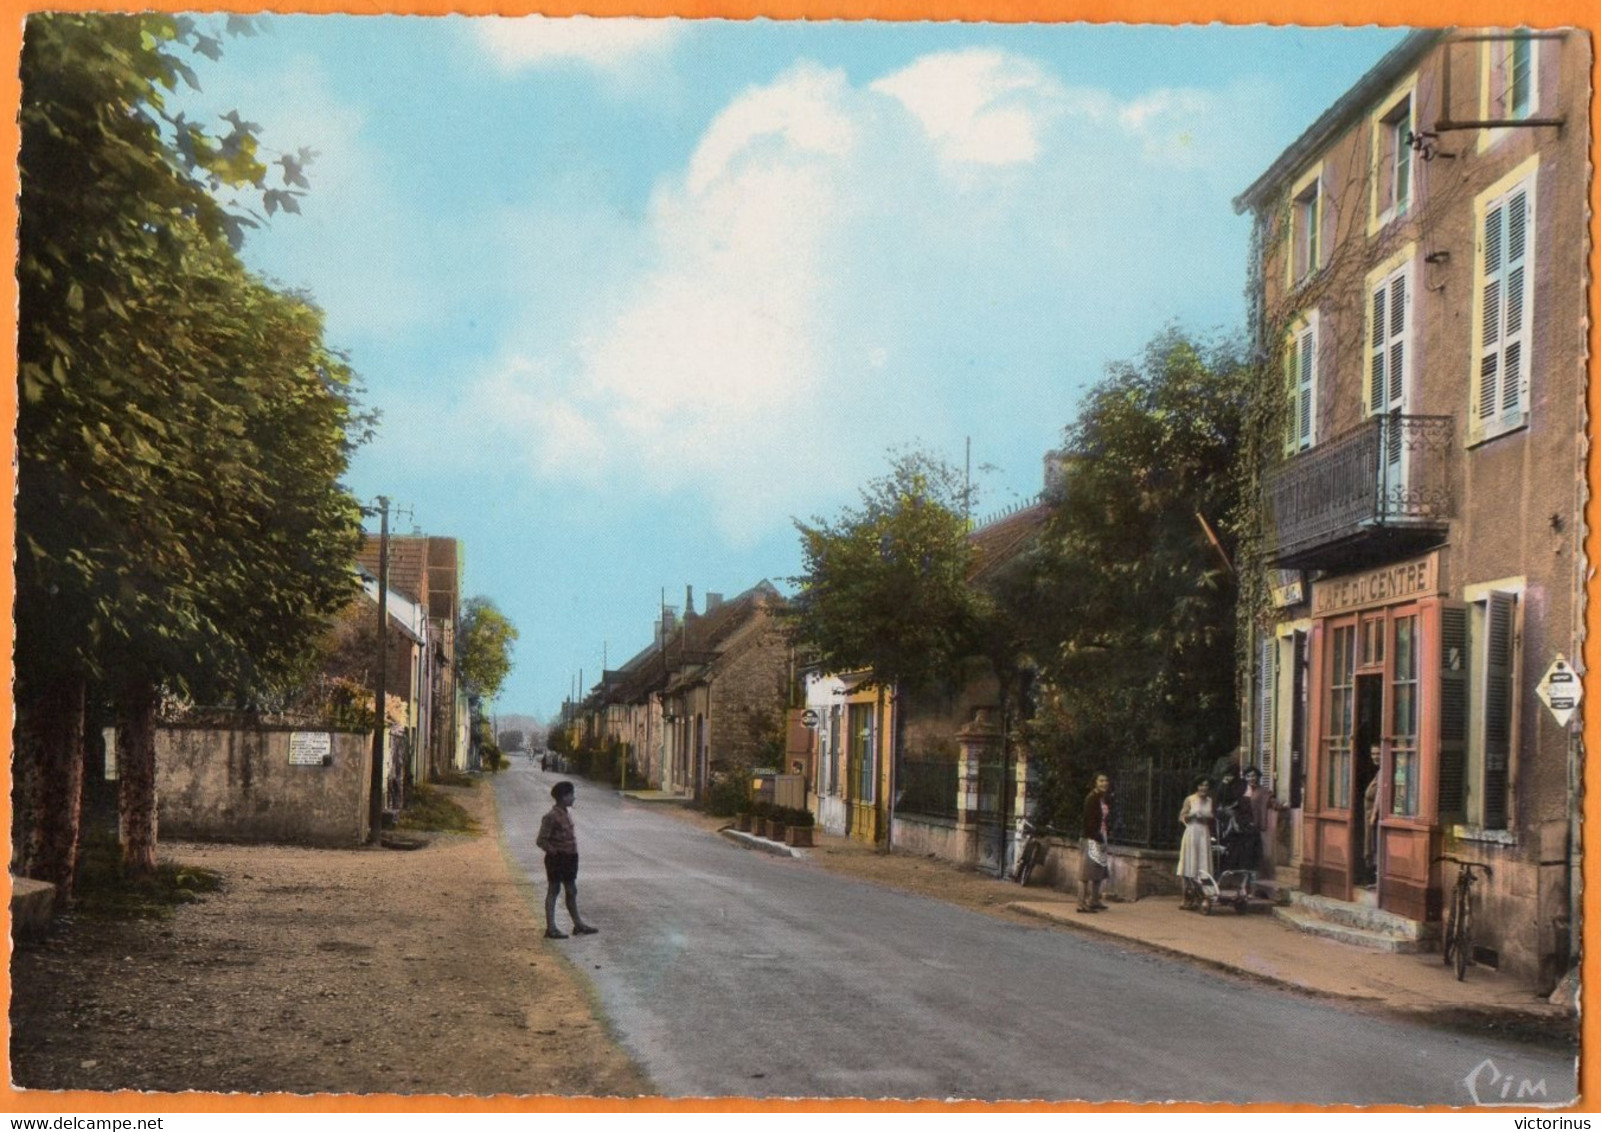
{"x":1237,"y":816}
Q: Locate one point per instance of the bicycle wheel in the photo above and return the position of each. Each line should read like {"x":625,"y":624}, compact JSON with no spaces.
{"x":1448,"y":941}
{"x":1464,"y":939}
{"x":1031,"y":860}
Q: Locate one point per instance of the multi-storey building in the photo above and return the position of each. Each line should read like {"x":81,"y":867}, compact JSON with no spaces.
{"x":1419,"y":282}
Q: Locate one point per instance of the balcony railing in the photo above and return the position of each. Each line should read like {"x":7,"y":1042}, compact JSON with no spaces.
{"x":1382,"y":483}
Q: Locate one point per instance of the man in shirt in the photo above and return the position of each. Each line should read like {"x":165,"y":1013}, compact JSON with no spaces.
{"x":560,"y":843}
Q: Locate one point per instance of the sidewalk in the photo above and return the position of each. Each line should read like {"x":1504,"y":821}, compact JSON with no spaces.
{"x":1261,"y":947}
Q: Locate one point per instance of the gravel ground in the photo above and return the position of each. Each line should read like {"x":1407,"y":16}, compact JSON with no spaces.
{"x":320,"y":971}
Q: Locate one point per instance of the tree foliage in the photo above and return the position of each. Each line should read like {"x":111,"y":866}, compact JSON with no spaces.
{"x":182,"y":426}
{"x":483,"y":651}
{"x":885,"y":585}
{"x":1130,"y":610}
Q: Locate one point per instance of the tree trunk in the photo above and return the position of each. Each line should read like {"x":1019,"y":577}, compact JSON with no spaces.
{"x":49,"y":763}
{"x":136,"y":771}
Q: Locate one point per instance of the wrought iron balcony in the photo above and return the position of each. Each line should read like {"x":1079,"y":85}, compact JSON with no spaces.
{"x":1382,"y":488}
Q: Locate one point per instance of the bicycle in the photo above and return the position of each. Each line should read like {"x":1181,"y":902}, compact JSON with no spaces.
{"x":1458,"y":942}
{"x":1034,"y":849}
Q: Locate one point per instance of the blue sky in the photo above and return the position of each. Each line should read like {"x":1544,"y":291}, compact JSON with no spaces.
{"x":632,"y":295}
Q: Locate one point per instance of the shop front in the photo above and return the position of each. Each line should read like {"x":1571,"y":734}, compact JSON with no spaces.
{"x":1387,"y":654}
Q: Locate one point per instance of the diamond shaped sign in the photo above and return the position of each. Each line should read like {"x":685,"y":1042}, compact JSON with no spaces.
{"x":1561,"y":690}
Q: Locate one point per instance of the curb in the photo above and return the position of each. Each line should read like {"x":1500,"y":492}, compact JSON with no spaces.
{"x":751,"y":841}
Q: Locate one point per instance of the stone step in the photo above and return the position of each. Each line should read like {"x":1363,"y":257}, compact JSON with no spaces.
{"x":1297,"y":917}
{"x":32,"y":902}
{"x":1366,"y":917}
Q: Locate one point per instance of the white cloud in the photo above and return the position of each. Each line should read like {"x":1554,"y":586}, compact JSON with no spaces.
{"x":838,"y":268}
{"x":612,"y":43}
{"x":980,"y":106}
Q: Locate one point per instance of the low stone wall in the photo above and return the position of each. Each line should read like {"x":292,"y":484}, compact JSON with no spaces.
{"x":1134,"y":873}
{"x":276,"y":785}
{"x":942,"y":837}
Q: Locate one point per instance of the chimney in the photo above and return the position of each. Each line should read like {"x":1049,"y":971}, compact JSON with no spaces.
{"x":689,"y":601}
{"x":1056,"y":468}
{"x":713,"y":601}
{"x":668,"y":623}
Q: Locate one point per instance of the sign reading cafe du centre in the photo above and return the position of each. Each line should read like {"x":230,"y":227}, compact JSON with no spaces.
{"x":1388,"y":585}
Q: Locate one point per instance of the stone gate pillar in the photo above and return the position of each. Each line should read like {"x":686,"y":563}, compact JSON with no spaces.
{"x":979,"y":742}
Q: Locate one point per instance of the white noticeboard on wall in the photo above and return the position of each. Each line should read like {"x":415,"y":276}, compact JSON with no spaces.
{"x":310,"y":748}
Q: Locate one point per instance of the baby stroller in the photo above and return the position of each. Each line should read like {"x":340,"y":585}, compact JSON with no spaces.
{"x":1236,"y":854}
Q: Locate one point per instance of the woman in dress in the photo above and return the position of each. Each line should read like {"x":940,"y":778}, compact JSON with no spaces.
{"x":1195,"y":851}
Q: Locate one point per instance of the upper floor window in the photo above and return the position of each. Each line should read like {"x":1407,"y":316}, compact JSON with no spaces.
{"x":1306,"y":222}
{"x":1300,"y":376}
{"x":1512,"y":90}
{"x":1504,"y":287}
{"x":1392,"y":160}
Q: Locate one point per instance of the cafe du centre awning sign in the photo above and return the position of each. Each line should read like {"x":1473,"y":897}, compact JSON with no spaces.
{"x":1389,"y":585}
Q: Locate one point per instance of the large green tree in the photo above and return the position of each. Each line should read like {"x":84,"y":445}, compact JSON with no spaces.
{"x":1129,"y":610}
{"x":181,"y":426}
{"x":483,"y":650}
{"x":885,"y":585}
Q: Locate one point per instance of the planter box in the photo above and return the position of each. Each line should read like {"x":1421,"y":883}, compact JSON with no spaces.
{"x":742,"y":822}
{"x":799,"y":836}
{"x":775,"y":830}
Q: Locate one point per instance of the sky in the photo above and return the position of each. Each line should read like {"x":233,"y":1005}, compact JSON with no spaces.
{"x":633,"y":296}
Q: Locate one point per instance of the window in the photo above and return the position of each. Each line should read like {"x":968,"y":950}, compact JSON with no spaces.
{"x":1342,"y":717}
{"x":1479,"y":643}
{"x":1512,"y":92}
{"x":1404,"y":717}
{"x":1392,"y":162}
{"x":1300,"y":378}
{"x":1505,"y":289}
{"x":1306,"y":218}
{"x":1495,"y":618}
{"x":863,"y":759}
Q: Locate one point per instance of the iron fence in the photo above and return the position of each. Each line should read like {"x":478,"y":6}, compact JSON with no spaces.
{"x":928,"y":788}
{"x":1146,"y":797}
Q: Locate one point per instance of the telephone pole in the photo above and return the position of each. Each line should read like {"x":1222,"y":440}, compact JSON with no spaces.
{"x":375,"y":800}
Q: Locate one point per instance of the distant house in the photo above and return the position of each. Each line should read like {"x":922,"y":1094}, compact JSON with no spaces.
{"x":709,"y":694}
{"x":955,"y":786}
{"x":425,"y":570}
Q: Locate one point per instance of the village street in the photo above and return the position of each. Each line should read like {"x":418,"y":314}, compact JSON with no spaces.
{"x":725,"y":971}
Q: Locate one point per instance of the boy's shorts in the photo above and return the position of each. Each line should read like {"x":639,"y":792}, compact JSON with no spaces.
{"x":561,"y":868}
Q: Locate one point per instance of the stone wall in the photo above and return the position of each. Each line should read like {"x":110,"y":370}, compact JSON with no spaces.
{"x":239,"y":785}
{"x":1135,"y":873}
{"x":748,"y":697}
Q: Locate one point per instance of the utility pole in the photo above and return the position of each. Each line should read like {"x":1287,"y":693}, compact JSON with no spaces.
{"x":375,"y":800}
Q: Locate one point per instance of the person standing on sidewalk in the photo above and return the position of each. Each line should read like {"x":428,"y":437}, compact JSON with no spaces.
{"x":560,"y":843}
{"x":1092,"y":868}
{"x":1195,"y":851}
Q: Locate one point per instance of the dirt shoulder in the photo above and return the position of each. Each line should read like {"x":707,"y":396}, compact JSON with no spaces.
{"x":320,"y":971}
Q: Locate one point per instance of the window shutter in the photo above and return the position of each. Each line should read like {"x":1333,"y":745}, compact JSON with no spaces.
{"x":1377,"y":381}
{"x":1515,"y":334}
{"x":1397,"y":336}
{"x":1453,"y":711}
{"x":1266,"y":683}
{"x":1490,"y":347}
{"x":1304,"y":393}
{"x":1502,"y":392}
{"x":1500,"y":616}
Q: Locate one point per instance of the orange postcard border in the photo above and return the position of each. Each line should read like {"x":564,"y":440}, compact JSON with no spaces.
{"x":1308,"y":13}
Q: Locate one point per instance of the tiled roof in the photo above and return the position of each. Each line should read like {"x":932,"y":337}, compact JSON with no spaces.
{"x":1001,"y":541}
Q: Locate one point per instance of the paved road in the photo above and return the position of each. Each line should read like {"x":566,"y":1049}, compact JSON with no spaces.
{"x":728,"y":972}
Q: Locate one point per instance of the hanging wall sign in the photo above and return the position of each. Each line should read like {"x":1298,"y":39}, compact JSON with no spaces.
{"x":1561,"y":690}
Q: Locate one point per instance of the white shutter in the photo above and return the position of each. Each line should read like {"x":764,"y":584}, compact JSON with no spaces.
{"x":1506,"y":296}
{"x":1304,"y":391}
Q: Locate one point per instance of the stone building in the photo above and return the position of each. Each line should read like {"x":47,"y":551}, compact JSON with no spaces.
{"x":1418,"y":285}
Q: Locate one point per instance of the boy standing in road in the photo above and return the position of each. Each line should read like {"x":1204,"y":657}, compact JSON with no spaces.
{"x":560,"y":843}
